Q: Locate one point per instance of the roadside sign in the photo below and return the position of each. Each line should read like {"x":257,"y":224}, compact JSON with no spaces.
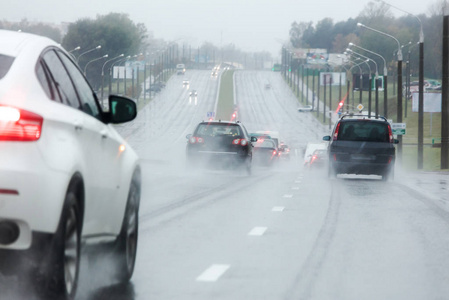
{"x":211,"y":114}
{"x":398,"y":131}
{"x":360,"y":107}
{"x":398,"y":126}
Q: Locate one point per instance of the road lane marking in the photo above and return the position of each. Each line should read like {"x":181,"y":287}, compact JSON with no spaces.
{"x":258,"y":231}
{"x":297,"y":181}
{"x":295,"y":188}
{"x":213,"y":273}
{"x":287,"y":196}
{"x":278,"y":208}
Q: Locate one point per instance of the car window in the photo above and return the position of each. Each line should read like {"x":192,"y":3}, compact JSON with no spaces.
{"x":363,"y":131}
{"x":44,"y":80}
{"x":265,"y":144}
{"x":86,"y":95}
{"x":63,"y":84}
{"x":5,"y":64}
{"x":218,"y":129}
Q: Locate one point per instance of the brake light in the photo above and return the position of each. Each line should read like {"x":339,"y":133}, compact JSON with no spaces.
{"x":336,"y":131}
{"x":19,"y":125}
{"x":274,"y":152}
{"x":196,"y":140}
{"x":313,"y":159}
{"x":390,"y":134}
{"x":242,"y":142}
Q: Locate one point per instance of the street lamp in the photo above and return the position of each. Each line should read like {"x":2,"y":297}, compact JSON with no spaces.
{"x":385,"y":74}
{"x":96,"y":48}
{"x":98,"y":58}
{"x":399,"y":106}
{"x":102,"y":74}
{"x":421,"y":87}
{"x":75,"y":49}
{"x":370,"y":88}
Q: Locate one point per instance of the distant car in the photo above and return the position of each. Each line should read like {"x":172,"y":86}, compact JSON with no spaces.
{"x":274,"y":135}
{"x":265,"y":152}
{"x":185,"y":84}
{"x":68,"y":180}
{"x":318,"y":159}
{"x":284,"y":151}
{"x":310,"y":149}
{"x":362,"y":145}
{"x":193,"y":96}
{"x":214,"y":73}
{"x":154,"y":88}
{"x":306,"y":108}
{"x":220,"y":144}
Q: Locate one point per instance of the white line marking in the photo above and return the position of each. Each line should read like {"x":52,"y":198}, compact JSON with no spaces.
{"x":287,"y":196}
{"x":278,"y":208}
{"x":297,"y":181}
{"x":295,"y":188}
{"x":258,"y":231}
{"x":213,"y":273}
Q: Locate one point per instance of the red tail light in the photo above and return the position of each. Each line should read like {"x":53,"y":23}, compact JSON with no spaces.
{"x":336,"y":131}
{"x":313,"y":159}
{"x":19,"y":125}
{"x":242,"y":142}
{"x":390,"y":134}
{"x":196,"y":140}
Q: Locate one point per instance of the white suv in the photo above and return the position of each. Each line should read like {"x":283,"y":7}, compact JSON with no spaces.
{"x":67,"y":178}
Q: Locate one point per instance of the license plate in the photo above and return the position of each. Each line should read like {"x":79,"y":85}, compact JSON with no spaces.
{"x":363,"y":157}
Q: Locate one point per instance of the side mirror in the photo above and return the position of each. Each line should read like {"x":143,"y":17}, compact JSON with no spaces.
{"x":253,"y":139}
{"x":121,"y":109}
{"x":395,"y":141}
{"x":327,"y":138}
{"x":188,"y":136}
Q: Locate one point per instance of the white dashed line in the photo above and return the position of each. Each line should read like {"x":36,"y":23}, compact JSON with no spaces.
{"x":295,"y":188}
{"x":287,"y":196}
{"x":278,"y":208}
{"x":213,"y":273}
{"x":258,"y":231}
{"x":297,"y":181}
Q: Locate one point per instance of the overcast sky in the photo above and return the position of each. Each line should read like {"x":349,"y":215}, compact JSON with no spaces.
{"x":252,"y":25}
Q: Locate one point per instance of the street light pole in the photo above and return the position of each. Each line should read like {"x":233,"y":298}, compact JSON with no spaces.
{"x":385,"y":74}
{"x":96,"y":48}
{"x":102,"y":75}
{"x":376,"y":77}
{"x":421,"y":88}
{"x":98,"y":58}
{"x":399,"y":108}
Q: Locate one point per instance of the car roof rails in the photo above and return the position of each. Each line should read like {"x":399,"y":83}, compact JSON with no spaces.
{"x":363,"y":116}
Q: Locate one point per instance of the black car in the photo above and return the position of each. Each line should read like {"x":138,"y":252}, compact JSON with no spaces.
{"x":362,"y":145}
{"x":318,"y":159}
{"x":265,"y":152}
{"x":220,"y":144}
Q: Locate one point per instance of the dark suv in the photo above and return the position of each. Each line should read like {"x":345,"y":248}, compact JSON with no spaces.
{"x":362,"y":145}
{"x":220,"y":143}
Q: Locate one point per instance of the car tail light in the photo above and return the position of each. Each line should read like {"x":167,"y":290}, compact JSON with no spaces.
{"x":335,"y":157}
{"x":390,"y":134}
{"x":390,"y":159}
{"x":196,"y":140}
{"x":313,"y":159}
{"x":242,"y":142}
{"x":336,"y":131}
{"x":19,"y":125}
{"x":274,"y":152}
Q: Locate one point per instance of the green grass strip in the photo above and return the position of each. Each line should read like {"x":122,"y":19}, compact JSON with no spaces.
{"x":225,"y":106}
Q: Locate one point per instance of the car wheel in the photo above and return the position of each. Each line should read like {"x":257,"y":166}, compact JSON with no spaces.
{"x":126,"y":245}
{"x":62,"y":277}
{"x":331,"y":173}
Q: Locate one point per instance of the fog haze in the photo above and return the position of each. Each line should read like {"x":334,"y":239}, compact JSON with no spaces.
{"x":252,"y":25}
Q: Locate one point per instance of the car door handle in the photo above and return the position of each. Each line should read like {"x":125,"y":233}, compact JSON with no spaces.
{"x":78,"y":126}
{"x":104,"y":134}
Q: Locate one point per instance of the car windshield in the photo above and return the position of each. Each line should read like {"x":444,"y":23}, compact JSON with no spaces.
{"x":368,"y":131}
{"x":218,"y":130}
{"x":264,"y":144}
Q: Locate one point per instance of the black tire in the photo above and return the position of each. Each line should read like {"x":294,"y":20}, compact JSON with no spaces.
{"x":63,"y":272}
{"x":248,"y":166}
{"x":126,"y":244}
{"x":331,"y":173}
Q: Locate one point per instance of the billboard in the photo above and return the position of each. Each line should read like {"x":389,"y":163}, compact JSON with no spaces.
{"x":332,"y":78}
{"x":432,"y":102}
